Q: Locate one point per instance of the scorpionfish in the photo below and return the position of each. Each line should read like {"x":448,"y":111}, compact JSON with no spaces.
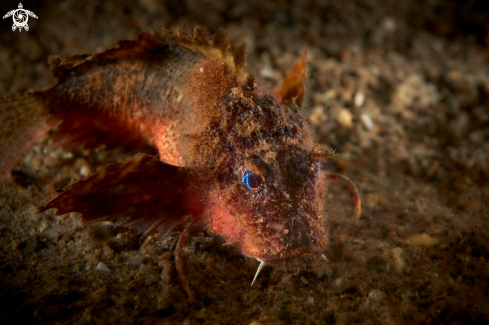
{"x":231,"y":156}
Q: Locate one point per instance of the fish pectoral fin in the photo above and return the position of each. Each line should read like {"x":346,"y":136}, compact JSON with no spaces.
{"x":143,"y":193}
{"x":293,"y":84}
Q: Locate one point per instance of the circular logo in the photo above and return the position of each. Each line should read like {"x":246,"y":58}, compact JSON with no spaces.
{"x":20,"y":17}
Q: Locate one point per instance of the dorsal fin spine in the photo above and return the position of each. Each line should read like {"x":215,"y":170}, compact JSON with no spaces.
{"x":200,"y":37}
{"x":183,"y":37}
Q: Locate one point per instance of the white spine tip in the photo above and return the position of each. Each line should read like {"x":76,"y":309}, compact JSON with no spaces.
{"x":262,"y":264}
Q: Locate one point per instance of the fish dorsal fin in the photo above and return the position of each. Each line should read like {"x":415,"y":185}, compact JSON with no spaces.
{"x":62,"y":65}
{"x":217,"y":46}
{"x":147,"y":42}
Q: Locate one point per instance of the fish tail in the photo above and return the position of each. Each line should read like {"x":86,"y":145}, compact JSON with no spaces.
{"x":24,"y":119}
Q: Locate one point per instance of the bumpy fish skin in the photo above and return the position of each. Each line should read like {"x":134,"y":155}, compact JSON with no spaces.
{"x":156,"y":89}
{"x":232,"y":157}
{"x":282,"y":222}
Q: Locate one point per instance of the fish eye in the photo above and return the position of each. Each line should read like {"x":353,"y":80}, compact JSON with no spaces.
{"x":252,"y":182}
{"x":316,"y":167}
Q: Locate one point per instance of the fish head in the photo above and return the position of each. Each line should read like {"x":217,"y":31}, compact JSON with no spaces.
{"x":268,"y":201}
{"x":281,"y":208}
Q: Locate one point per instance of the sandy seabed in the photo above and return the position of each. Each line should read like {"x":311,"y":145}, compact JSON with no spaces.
{"x":399,"y":89}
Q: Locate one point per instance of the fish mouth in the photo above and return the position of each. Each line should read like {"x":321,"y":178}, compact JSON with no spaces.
{"x":298,"y":247}
{"x":287,"y":259}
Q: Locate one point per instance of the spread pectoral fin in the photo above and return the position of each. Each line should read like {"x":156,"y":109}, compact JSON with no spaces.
{"x":293,"y":84}
{"x":143,"y":193}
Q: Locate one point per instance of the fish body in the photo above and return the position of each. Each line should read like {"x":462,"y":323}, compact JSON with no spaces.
{"x":231,"y":156}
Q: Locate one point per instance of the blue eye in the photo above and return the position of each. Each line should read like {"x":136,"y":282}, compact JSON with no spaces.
{"x":252,"y":182}
{"x":316,"y":167}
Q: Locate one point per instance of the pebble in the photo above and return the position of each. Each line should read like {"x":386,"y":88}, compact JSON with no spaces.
{"x":367,"y":121}
{"x":389,"y":24}
{"x":377,"y":295}
{"x":398,"y":256}
{"x":317,"y":116}
{"x":423,"y":239}
{"x":101,"y":267}
{"x":359,"y":99}
{"x":52,"y":232}
{"x":83,"y":167}
{"x":345,"y":118}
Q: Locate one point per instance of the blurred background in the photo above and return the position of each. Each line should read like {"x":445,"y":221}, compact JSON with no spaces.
{"x":400,"y":89}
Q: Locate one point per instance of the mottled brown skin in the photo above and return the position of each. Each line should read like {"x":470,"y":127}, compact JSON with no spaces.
{"x":231,"y":156}
{"x":282,"y":223}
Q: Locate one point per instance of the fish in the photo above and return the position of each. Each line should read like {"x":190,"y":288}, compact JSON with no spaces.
{"x":233,"y":157}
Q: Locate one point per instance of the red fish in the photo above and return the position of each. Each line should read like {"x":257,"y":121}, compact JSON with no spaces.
{"x":232,"y":157}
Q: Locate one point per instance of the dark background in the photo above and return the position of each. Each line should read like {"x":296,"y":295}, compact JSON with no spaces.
{"x":417,"y":69}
